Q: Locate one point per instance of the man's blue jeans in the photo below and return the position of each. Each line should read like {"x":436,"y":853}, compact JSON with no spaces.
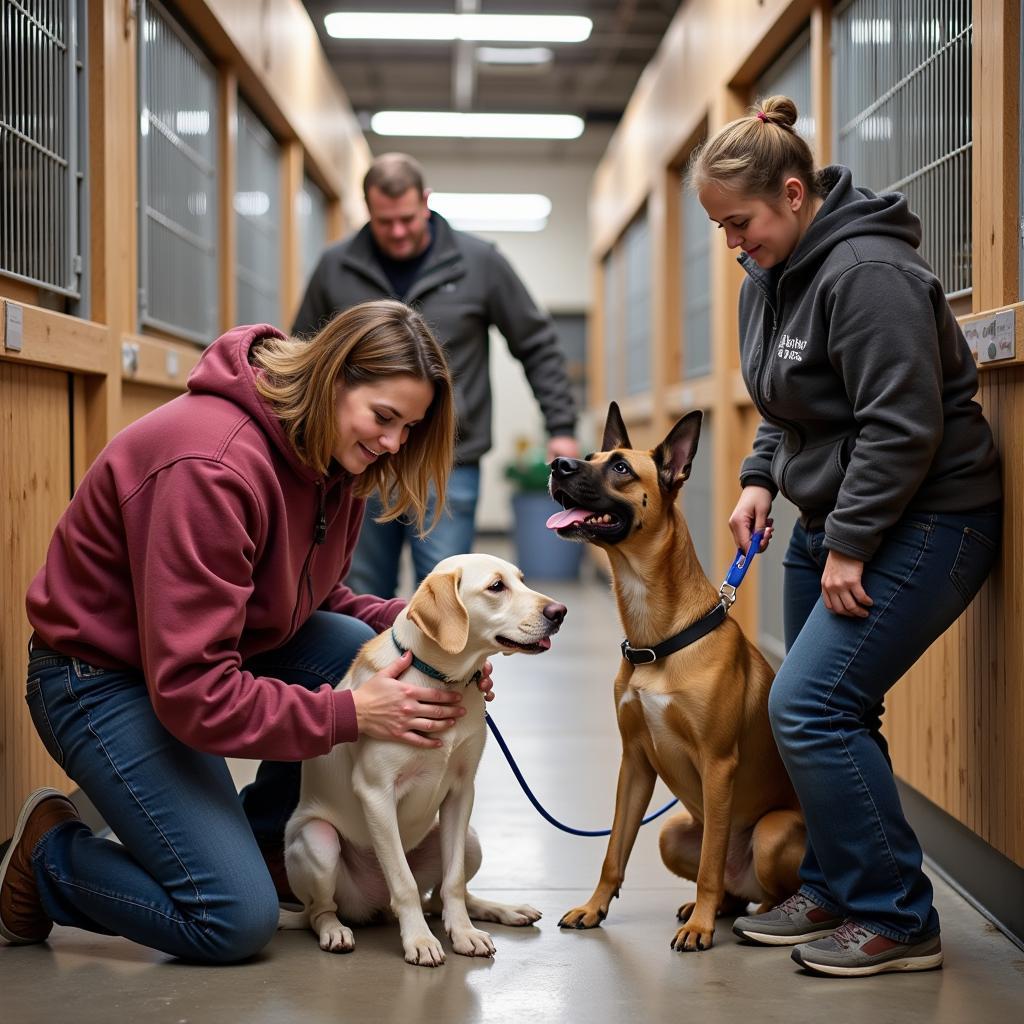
{"x":187,"y":877}
{"x":863,"y":859}
{"x":375,"y":561}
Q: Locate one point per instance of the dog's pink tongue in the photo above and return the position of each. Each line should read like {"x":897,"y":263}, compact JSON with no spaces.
{"x":567,"y":518}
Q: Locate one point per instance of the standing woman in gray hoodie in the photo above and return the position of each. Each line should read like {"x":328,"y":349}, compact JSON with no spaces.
{"x":866,"y":387}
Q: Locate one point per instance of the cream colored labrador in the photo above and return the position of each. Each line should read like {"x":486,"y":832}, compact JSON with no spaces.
{"x":383,"y":823}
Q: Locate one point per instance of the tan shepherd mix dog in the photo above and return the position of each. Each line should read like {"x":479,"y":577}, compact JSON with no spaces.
{"x":697,"y":718}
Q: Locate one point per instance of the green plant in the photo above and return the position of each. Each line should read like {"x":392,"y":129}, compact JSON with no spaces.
{"x":528,"y":470}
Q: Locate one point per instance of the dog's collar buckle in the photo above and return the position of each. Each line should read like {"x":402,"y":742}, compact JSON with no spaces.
{"x":638,"y":655}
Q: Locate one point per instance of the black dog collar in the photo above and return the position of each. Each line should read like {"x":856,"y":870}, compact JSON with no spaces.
{"x":703,"y":626}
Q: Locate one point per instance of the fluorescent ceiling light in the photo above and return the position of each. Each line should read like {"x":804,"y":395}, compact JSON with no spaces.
{"x":452,"y":124}
{"x":492,"y":211}
{"x":514,"y":55}
{"x":506,"y":28}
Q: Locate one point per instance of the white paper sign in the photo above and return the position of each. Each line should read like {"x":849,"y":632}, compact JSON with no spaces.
{"x":992,"y":338}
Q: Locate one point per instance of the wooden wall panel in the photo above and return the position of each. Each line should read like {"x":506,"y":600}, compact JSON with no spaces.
{"x":138,"y":399}
{"x":35,"y":475}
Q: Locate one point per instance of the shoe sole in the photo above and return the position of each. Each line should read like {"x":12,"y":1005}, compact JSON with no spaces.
{"x":912,"y":963}
{"x":768,"y":939}
{"x":33,"y":801}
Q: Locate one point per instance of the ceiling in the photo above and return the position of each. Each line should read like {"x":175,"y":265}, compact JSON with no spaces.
{"x":593,"y":79}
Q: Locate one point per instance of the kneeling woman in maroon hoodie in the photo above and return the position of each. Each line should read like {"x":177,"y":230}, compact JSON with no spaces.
{"x":191,"y":607}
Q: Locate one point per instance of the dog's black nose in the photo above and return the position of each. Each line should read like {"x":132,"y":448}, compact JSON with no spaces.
{"x":563,"y":467}
{"x":555,"y":612}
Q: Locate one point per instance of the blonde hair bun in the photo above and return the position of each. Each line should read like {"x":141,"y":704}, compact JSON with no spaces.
{"x":778,"y":110}
{"x":749,"y":157}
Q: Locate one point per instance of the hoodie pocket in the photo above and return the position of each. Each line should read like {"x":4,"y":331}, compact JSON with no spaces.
{"x":812,"y":477}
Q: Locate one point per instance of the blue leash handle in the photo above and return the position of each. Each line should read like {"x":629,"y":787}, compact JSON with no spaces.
{"x":733,"y":579}
{"x":536,"y":803}
{"x":741,"y":563}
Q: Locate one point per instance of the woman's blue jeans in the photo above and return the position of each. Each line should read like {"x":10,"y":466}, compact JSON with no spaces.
{"x":187,"y":877}
{"x":863,"y":860}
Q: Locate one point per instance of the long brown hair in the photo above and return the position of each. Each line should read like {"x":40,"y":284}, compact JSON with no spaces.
{"x":755,"y":154}
{"x":363,"y":345}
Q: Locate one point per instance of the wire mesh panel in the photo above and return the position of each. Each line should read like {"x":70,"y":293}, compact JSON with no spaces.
{"x":311,"y":211}
{"x":636,"y":249}
{"x":695,"y":232}
{"x":258,"y":222}
{"x":790,"y":75}
{"x":613,"y":312}
{"x":178,"y":272}
{"x":902,"y":88}
{"x":39,"y":236}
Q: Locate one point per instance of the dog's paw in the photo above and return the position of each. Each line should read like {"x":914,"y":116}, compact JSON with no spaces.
{"x":519,"y":917}
{"x":501,"y":913}
{"x":337,"y":938}
{"x":423,"y":950}
{"x":472,"y":942}
{"x":693,"y":937}
{"x":588,"y":916}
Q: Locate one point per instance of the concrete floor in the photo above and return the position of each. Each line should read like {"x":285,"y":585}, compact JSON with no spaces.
{"x":556,"y":713}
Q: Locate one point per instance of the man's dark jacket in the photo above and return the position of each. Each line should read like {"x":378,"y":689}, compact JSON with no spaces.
{"x":463,"y":288}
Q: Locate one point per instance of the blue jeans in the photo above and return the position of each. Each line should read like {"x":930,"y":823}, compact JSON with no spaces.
{"x":863,"y":859}
{"x":187,"y":877}
{"x":376,"y":558}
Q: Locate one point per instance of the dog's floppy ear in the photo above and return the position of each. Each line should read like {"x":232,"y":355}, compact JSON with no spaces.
{"x":438,"y":610}
{"x":615,"y":435}
{"x":674,"y":456}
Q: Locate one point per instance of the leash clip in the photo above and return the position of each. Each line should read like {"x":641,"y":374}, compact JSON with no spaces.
{"x":738,"y":569}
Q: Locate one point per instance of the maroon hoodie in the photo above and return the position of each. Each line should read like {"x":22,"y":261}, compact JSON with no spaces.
{"x":196,"y":540}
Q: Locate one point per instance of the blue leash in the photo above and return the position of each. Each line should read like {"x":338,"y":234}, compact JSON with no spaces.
{"x":727,"y":592}
{"x":536,"y":803}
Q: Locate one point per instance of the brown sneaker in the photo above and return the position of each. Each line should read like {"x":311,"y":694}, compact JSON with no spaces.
{"x":22,"y":918}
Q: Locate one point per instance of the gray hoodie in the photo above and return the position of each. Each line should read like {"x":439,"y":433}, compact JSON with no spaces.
{"x":463,"y":287}
{"x":862,"y":376}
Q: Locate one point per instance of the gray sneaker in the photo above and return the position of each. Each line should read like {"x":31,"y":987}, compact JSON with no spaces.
{"x":797,"y":919}
{"x":854,"y":950}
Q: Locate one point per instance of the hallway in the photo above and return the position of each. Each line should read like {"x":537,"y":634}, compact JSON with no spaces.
{"x":556,"y":714}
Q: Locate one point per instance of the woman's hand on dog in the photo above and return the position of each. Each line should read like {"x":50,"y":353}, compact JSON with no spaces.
{"x":389,"y":709}
{"x":750,"y":515}
{"x":486,"y":684}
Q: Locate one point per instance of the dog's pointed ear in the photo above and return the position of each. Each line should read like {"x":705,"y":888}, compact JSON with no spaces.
{"x":615,"y":435}
{"x":438,"y":610}
{"x":674,"y":456}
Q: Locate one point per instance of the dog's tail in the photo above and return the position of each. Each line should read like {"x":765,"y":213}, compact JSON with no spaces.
{"x":292,"y":918}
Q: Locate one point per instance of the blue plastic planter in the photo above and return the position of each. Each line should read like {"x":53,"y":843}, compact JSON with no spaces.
{"x":540,"y":552}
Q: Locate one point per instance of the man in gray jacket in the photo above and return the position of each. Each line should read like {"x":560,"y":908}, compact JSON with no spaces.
{"x":461,"y":285}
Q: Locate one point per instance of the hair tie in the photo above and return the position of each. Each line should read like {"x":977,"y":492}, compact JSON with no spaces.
{"x":762,"y":116}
